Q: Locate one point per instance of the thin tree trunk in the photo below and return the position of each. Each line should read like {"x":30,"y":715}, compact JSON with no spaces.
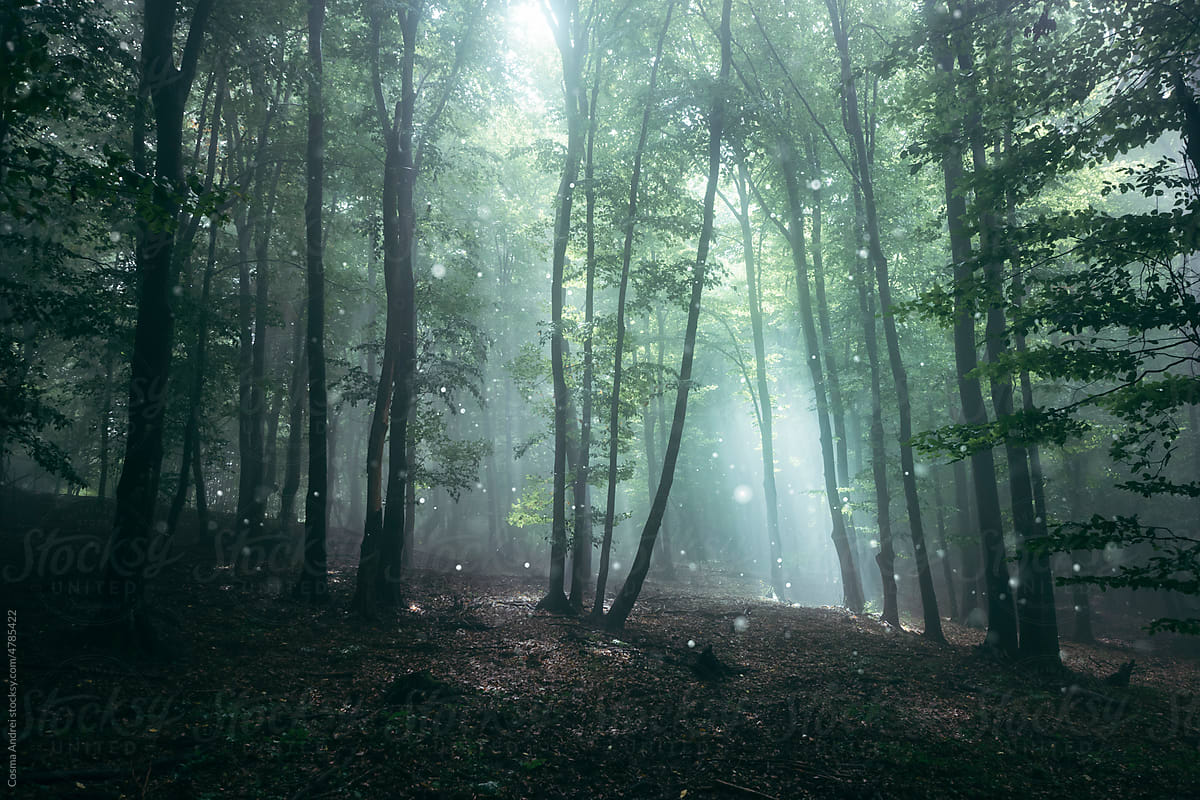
{"x":581,"y":550}
{"x":366,"y":590}
{"x":623,"y":604}
{"x":410,"y":499}
{"x":630,"y":222}
{"x":851,"y":583}
{"x":579,"y":505}
{"x":105,"y":421}
{"x":661,"y":424}
{"x":271,"y":447}
{"x":1076,"y":468}
{"x":297,"y":395}
{"x":253,"y":234}
{"x":567,"y":25}
{"x":971,"y":579}
{"x":944,"y":547}
{"x":1037,"y":565}
{"x":650,"y":440}
{"x":382,"y":544}
{"x":312,"y":584}
{"x":493,"y":487}
{"x":933,"y":622}
{"x":403,"y":399}
{"x":837,"y":407}
{"x":885,"y":559}
{"x":765,"y":416}
{"x":191,"y":431}
{"x":256,"y":508}
{"x":201,"y":496}
{"x":1002,"y":621}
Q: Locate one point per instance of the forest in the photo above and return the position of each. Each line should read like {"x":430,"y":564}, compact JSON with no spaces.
{"x":598,"y":398}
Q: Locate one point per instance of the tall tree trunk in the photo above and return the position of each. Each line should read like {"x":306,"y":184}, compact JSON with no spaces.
{"x":271,"y":446}
{"x":567,"y":24}
{"x":660,"y":414}
{"x":383,"y":535}
{"x":581,"y":550}
{"x":1076,"y":469}
{"x":837,"y":406}
{"x":106,"y":402}
{"x":971,"y":579}
{"x":137,"y":488}
{"x":765,"y":416}
{"x":851,"y":583}
{"x":1035,"y":593}
{"x":1002,"y":621}
{"x":650,"y":440}
{"x":410,"y":497}
{"x":253,"y":236}
{"x":191,"y":432}
{"x":629,"y":224}
{"x":933,"y":622}
{"x":623,"y":604}
{"x":260,"y":490}
{"x":201,"y":496}
{"x":580,"y":512}
{"x":885,"y":559}
{"x":944,"y":548}
{"x":399,"y":469}
{"x":297,"y":395}
{"x":312,"y":584}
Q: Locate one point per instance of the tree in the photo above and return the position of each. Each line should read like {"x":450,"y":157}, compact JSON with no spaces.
{"x":137,"y":489}
{"x":570,"y":34}
{"x":933,"y":624}
{"x":762,"y":390}
{"x":1002,"y":623}
{"x":614,"y":411}
{"x":618,"y":613}
{"x":312,"y":584}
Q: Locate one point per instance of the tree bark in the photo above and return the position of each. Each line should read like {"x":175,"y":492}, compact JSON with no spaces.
{"x":297,"y":395}
{"x":312,"y":585}
{"x":623,"y":604}
{"x":933,"y":622}
{"x":614,"y":409}
{"x":403,"y":400}
{"x":837,"y":406}
{"x":851,"y":583}
{"x":137,"y":488}
{"x":885,"y":559}
{"x":1038,"y":627}
{"x":191,"y":432}
{"x":765,"y":416}
{"x":381,"y":554}
{"x":1002,"y":621}
{"x":568,"y":32}
{"x":253,"y":234}
{"x":944,"y":547}
{"x":1076,"y":468}
{"x":106,"y":402}
{"x":581,"y":549}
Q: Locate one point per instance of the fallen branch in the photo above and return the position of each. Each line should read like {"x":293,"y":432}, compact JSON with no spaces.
{"x":744,"y":789}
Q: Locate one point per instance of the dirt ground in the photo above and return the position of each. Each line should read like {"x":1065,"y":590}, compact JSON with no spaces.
{"x":469,"y":692}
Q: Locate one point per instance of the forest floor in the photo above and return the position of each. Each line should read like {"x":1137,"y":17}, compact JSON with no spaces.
{"x":469,"y":692}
